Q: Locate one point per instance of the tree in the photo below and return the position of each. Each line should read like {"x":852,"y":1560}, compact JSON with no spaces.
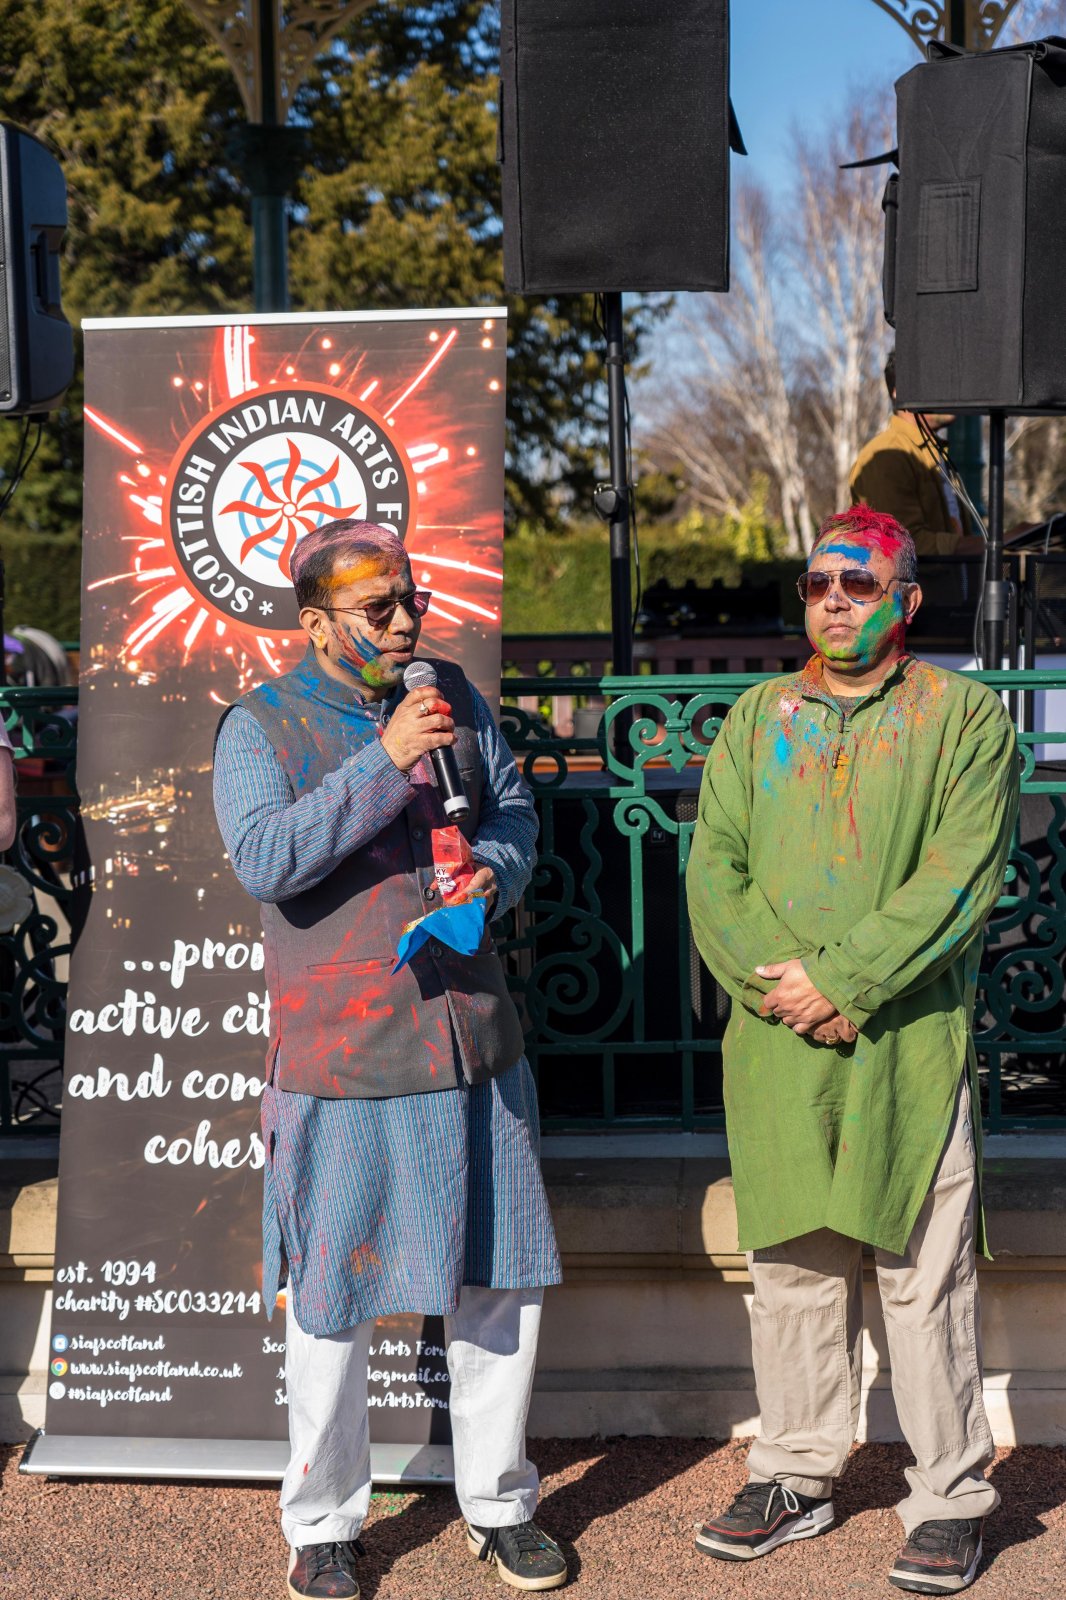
{"x":786,"y":376}
{"x":1035,"y":19}
{"x":398,"y":206}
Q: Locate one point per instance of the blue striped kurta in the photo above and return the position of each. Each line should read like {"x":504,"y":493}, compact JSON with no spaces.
{"x":387,"y":1206}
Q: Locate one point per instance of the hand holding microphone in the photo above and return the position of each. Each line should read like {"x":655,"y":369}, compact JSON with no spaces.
{"x":421,"y":725}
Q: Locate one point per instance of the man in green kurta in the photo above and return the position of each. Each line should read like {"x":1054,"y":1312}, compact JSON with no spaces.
{"x":854,"y":825}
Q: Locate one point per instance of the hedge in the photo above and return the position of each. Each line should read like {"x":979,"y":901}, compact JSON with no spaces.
{"x":553,"y":583}
{"x":42,"y":582}
{"x":560,"y":583}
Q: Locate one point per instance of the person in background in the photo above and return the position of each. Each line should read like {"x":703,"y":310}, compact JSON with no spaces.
{"x":898,"y":472}
{"x":853,"y":828}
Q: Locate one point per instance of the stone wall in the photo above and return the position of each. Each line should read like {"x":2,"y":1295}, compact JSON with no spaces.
{"x":649,"y":1333}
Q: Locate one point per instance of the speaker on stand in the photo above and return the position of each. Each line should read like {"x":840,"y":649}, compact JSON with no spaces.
{"x":614,"y":138}
{"x":36,"y":342}
{"x":973,"y":252}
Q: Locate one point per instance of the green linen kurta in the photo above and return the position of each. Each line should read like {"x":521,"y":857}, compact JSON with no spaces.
{"x":874,"y":849}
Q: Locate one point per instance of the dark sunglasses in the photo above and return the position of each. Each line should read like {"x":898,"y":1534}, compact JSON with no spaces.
{"x":855,"y":582}
{"x":379,"y":613}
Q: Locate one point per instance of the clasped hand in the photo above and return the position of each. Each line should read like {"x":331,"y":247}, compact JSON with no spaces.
{"x":800,"y":1006}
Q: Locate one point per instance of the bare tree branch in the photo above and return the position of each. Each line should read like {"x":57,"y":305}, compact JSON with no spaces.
{"x":786,"y":380}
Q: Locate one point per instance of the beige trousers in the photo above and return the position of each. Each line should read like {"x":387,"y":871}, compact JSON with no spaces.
{"x":807,"y":1349}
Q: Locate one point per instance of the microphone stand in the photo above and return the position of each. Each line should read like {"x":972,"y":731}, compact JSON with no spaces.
{"x":612,"y":500}
{"x":996,"y":598}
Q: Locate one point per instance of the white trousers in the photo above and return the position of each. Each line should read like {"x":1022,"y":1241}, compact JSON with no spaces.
{"x":492,"y":1352}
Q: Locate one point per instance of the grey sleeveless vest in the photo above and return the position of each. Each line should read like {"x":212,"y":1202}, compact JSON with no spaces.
{"x":341,"y":1026}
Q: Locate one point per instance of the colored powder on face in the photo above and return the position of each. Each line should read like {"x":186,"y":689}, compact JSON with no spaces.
{"x":876,"y":530}
{"x":884,"y":543}
{"x":359,"y":571}
{"x":885,"y":624}
{"x":358,"y":654}
{"x":360,"y":657}
{"x":854,"y":552}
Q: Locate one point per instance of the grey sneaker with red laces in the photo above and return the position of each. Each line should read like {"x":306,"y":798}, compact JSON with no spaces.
{"x":939,"y":1557}
{"x":762,"y":1516}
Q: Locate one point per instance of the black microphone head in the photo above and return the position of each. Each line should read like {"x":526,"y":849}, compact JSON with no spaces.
{"x":420,"y":675}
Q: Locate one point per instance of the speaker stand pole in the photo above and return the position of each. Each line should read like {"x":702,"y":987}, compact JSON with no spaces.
{"x":621,"y":588}
{"x":997,"y":592}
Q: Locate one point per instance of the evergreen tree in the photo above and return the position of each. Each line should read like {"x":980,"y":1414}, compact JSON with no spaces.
{"x":398,"y":205}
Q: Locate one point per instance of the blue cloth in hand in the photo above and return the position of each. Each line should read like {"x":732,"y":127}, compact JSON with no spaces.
{"x":461,"y":927}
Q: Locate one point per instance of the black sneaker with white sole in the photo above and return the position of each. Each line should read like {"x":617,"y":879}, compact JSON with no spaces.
{"x":523,"y":1556}
{"x":939,"y":1557}
{"x":762,"y":1516}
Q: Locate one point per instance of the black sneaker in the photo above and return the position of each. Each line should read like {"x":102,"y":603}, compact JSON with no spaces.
{"x":939,"y":1557}
{"x":762,"y":1516}
{"x":524,"y":1557}
{"x":325,"y":1571}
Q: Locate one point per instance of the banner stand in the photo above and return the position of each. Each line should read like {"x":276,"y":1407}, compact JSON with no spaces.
{"x":213,"y":445}
{"x":59,"y":1455}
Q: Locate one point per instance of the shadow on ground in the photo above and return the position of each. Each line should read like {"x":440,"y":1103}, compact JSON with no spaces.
{"x":623,"y":1509}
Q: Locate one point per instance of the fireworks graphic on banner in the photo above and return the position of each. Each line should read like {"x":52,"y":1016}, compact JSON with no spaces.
{"x":256,"y":460}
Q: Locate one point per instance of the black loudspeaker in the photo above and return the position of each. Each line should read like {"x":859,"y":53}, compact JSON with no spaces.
{"x":614,"y":137}
{"x":976,"y":231}
{"x":36,"y":343}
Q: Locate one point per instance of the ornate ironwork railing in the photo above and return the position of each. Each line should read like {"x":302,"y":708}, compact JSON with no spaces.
{"x":624,"y":1023}
{"x":35,"y":946}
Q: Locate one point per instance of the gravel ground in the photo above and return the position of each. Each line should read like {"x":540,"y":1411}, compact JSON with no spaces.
{"x":624,"y":1510}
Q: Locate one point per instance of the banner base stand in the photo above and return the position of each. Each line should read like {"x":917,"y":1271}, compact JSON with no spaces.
{"x":58,"y":1455}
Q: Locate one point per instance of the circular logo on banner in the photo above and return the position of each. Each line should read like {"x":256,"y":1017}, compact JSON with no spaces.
{"x":258,"y":475}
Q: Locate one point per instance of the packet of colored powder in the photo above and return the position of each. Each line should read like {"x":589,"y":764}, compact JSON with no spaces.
{"x":452,"y":862}
{"x":460,"y":921}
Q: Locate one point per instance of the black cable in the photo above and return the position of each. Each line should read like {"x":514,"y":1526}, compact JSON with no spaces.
{"x":954,"y":477}
{"x":951,"y":472}
{"x":631,"y":502}
{"x":21,"y":463}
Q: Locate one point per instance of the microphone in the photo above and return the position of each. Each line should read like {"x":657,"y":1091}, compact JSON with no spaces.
{"x":421,"y":675}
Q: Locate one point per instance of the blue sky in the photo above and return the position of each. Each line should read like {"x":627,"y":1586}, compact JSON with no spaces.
{"x":796,"y":60}
{"x":792,"y":61}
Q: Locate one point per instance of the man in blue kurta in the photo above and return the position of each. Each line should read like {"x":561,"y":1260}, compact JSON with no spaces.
{"x":400,"y":1116}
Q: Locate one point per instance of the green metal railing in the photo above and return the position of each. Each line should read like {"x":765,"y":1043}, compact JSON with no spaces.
{"x":34,"y":952}
{"x":624,"y":1023}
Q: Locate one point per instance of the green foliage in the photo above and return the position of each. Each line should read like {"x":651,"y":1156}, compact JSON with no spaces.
{"x":557,"y":583}
{"x":42,"y":583}
{"x":398,"y":206}
{"x":752,"y":535}
{"x":560,"y":583}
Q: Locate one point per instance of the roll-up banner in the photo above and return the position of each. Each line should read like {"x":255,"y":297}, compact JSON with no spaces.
{"x":212,"y":446}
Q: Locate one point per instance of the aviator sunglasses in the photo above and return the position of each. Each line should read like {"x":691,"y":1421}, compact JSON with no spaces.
{"x":855,"y":582}
{"x":379,"y":613}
